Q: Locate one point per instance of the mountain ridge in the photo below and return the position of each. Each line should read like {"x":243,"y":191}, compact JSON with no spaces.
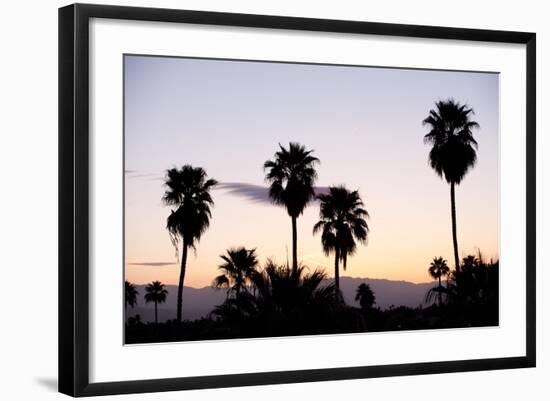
{"x":199,"y":302}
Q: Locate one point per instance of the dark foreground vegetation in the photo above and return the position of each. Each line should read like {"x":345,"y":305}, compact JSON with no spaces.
{"x":276,"y":302}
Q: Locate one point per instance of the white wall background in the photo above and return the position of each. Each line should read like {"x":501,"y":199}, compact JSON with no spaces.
{"x":28,"y":199}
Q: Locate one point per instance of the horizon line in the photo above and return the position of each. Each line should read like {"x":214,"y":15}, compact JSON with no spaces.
{"x":328,"y":278}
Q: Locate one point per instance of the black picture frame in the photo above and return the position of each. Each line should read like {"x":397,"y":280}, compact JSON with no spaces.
{"x":74,"y":198}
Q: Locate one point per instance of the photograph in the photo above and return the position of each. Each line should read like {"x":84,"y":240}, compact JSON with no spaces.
{"x":279,"y":199}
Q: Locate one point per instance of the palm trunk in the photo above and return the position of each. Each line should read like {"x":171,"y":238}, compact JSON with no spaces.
{"x":182,"y":277}
{"x":453,"y":221}
{"x":294,"y":246}
{"x":440,"y":288}
{"x":336,"y":272}
{"x":156,"y":314}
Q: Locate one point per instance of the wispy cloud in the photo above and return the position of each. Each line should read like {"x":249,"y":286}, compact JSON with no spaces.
{"x":255,"y":193}
{"x":251,"y":192}
{"x":147,"y":175}
{"x":133,"y":174}
{"x":152,"y":264}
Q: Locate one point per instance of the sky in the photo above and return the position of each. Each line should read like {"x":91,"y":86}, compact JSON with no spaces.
{"x":363,"y":123}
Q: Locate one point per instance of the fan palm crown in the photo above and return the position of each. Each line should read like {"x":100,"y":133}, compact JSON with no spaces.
{"x":365,"y":296}
{"x":239,"y":264}
{"x":130,"y":294}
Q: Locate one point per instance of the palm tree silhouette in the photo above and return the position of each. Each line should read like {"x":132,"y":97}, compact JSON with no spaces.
{"x":291,"y":175}
{"x":188,"y":189}
{"x":438,"y":268}
{"x":475,"y":282}
{"x":342,"y":221}
{"x":130,"y":294}
{"x":238,"y":267}
{"x":155,"y":292}
{"x":365,"y":296}
{"x":453,"y":150}
{"x":283,"y":302}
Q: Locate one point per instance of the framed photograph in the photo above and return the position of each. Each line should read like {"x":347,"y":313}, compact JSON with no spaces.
{"x":263,"y":199}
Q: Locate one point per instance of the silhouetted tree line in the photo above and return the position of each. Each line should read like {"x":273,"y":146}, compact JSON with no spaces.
{"x":275,"y":301}
{"x":283,"y":300}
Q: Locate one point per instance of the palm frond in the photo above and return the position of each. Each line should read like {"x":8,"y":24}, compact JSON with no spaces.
{"x":155,"y":292}
{"x":188,"y":189}
{"x":453,"y":150}
{"x":342,"y":222}
{"x":292,"y":175}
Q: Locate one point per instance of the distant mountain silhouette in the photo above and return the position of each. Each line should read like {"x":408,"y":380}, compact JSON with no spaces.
{"x":199,"y":302}
{"x":387,"y":292}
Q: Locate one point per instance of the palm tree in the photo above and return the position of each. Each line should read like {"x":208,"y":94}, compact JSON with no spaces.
{"x":238,"y":267}
{"x":365,"y":296}
{"x":342,"y":221}
{"x":283,"y":303}
{"x":453,"y":150}
{"x":188,"y":190}
{"x":130,"y":294}
{"x":475,"y":282}
{"x":291,"y":175}
{"x":438,"y":268}
{"x":155,"y":292}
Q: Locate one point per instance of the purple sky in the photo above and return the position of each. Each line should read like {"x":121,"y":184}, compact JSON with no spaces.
{"x":363,"y":123}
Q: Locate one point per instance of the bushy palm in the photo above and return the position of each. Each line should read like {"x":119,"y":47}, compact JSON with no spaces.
{"x":188,"y":190}
{"x":437,"y":270}
{"x":281,"y":289}
{"x":476,"y":282}
{"x":291,"y":175}
{"x":365,"y":296}
{"x":155,"y":292}
{"x":130,"y":294}
{"x":342,"y":222}
{"x":238,"y":268}
{"x":283,"y":302}
{"x":453,"y":151}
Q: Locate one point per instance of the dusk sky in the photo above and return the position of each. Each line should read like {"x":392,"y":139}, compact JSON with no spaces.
{"x":363,"y":123}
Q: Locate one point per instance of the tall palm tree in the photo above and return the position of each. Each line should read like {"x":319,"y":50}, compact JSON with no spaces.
{"x":130,"y":294}
{"x":238,"y":267}
{"x":438,"y":269}
{"x":365,"y":296}
{"x":291,"y":175}
{"x":155,"y":292}
{"x":453,"y":150}
{"x":188,"y":190}
{"x":342,"y":222}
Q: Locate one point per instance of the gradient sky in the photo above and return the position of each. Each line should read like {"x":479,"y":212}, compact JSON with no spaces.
{"x":363,"y":123}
